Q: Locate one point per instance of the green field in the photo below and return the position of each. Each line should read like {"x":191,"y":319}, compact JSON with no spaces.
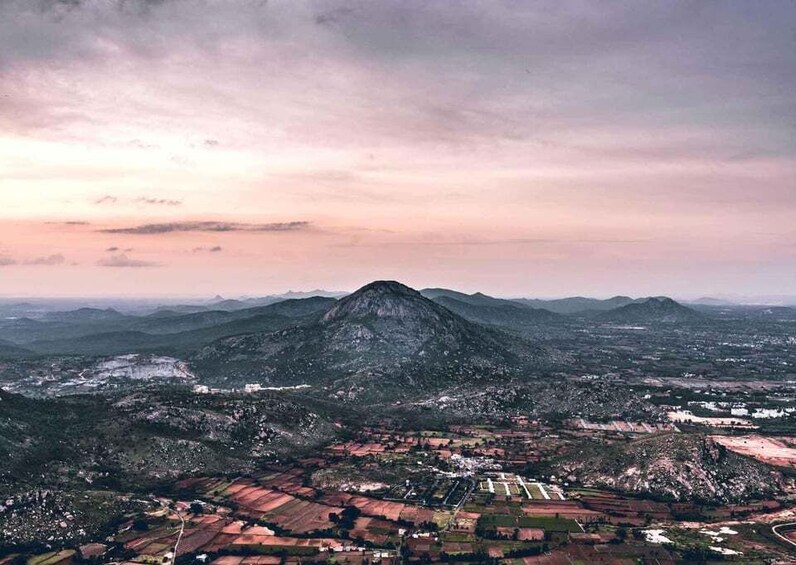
{"x":547,"y":523}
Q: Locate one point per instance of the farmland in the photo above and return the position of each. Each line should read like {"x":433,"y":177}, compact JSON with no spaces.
{"x":420,"y":494}
{"x":774,"y":451}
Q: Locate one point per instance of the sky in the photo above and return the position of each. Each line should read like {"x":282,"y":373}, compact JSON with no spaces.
{"x":194,"y":148}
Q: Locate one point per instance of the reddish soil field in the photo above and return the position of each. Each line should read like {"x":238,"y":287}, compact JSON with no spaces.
{"x":626,"y":508}
{"x":368,"y":506}
{"x":289,"y":512}
{"x":602,"y":555}
{"x":565,"y":509}
{"x":253,"y":560}
{"x":774,"y":451}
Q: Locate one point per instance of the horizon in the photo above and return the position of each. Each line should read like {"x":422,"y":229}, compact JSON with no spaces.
{"x":736,"y":299}
{"x":151,"y":149}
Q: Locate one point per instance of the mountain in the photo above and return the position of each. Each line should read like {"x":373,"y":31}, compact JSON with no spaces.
{"x":84,"y":315}
{"x":674,"y":466}
{"x":380,"y":342}
{"x":476,"y":299}
{"x":654,"y":309}
{"x":160,"y":324}
{"x":500,"y":313}
{"x":180,"y":333}
{"x":232,"y":304}
{"x":576,"y":304}
{"x":312,"y":293}
{"x":175,"y":309}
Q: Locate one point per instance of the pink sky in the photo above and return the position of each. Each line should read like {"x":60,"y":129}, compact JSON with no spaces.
{"x":248,"y":148}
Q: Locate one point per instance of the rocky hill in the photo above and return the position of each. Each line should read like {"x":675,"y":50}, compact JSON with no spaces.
{"x":379,"y":342}
{"x":674,"y":466}
{"x":651,"y":310}
{"x":129,"y":439}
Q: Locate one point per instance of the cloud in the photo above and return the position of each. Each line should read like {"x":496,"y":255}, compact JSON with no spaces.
{"x":171,"y":227}
{"x":214,"y":249}
{"x":46,"y":260}
{"x":158,"y":201}
{"x":138,"y":144}
{"x":49,"y":260}
{"x":124,"y":261}
{"x":147,"y":200}
{"x":112,"y":249}
{"x":496,"y":242}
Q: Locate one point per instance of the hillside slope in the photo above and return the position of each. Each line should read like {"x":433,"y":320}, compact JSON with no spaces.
{"x":135,"y":438}
{"x":502,"y":314}
{"x":651,"y":310}
{"x":673,"y":466}
{"x":376,"y":342}
{"x":184,"y":332}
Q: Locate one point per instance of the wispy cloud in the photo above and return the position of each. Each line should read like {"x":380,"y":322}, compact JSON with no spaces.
{"x":49,"y":260}
{"x":45,"y":261}
{"x":214,"y":249}
{"x":158,"y":201}
{"x":171,"y":227}
{"x":488,"y":242}
{"x":123,"y":261}
{"x":145,"y":200}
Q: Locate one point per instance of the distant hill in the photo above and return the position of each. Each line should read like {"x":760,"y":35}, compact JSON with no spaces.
{"x":84,"y":315}
{"x":500,"y":313}
{"x":183,"y":333}
{"x":708,"y":301}
{"x":769,"y":313}
{"x":383,"y":340}
{"x":650,"y":310}
{"x":576,"y":304}
{"x":312,"y":293}
{"x":9,"y":350}
{"x":477,"y":298}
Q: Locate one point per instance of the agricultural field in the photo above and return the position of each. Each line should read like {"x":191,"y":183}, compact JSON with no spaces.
{"x":779,"y":451}
{"x":456,"y":494}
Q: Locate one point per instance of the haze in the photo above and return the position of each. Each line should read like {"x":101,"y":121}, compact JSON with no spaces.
{"x":183,"y":148}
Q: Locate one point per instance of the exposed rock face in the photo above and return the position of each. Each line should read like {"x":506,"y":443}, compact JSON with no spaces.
{"x":676,"y":466}
{"x":379,"y":339}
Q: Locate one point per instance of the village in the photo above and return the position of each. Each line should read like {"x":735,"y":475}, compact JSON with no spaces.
{"x":395,"y":495}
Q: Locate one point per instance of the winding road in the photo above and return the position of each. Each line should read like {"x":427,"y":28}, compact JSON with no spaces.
{"x":179,"y":536}
{"x":780,"y":536}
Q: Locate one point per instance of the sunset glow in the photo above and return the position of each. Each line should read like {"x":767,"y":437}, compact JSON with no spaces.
{"x":250,"y":147}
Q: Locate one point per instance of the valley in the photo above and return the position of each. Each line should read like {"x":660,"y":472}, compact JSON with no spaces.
{"x":397,"y":426}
